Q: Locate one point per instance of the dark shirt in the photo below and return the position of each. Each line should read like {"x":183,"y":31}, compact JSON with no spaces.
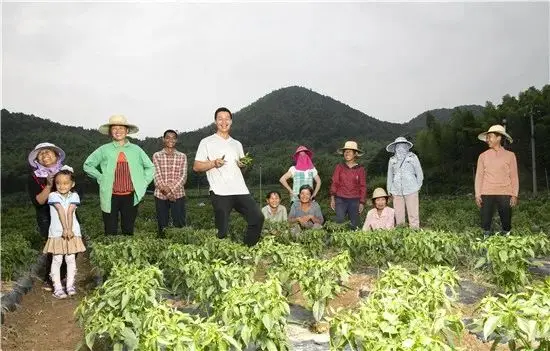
{"x":35,"y":185}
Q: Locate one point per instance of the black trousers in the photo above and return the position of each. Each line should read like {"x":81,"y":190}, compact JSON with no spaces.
{"x":502,"y":204}
{"x":164,"y":207}
{"x":128,"y":213}
{"x":245,"y":205}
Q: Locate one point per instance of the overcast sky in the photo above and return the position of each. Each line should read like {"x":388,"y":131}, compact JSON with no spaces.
{"x":171,"y":65}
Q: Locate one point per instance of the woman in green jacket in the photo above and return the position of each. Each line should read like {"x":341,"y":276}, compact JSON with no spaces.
{"x":123,"y":171}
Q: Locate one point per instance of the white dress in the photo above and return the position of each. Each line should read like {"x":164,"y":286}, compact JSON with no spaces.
{"x":56,"y":244}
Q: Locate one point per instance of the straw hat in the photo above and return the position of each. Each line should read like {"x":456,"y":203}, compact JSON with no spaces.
{"x":350,"y":145}
{"x":118,"y":120}
{"x":391,"y":146}
{"x":304,"y":149}
{"x":32,"y":155}
{"x":379,"y":192}
{"x":498,"y":129}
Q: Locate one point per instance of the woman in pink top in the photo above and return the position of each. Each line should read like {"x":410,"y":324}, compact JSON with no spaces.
{"x":496,"y":183}
{"x":381,"y":216}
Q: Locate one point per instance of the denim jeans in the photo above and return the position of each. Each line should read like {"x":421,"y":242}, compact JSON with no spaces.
{"x":347,"y":206}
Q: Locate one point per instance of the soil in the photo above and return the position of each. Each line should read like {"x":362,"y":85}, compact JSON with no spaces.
{"x":43,"y":323}
{"x":6,"y":286}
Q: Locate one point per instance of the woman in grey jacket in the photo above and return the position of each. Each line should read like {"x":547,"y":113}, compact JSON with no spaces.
{"x":404,"y":181}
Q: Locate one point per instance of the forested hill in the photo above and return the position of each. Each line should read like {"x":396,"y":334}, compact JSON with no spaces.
{"x":273,"y":126}
{"x":442,"y":115}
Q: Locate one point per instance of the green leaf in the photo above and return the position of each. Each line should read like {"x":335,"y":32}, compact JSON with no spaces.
{"x":270,"y":345}
{"x":490,"y":326}
{"x":245,"y":335}
{"x":90,"y":339}
{"x":130,"y":338}
{"x":268,"y":322}
{"x":503,"y":256}
{"x":125,"y":299}
{"x":318,"y":310}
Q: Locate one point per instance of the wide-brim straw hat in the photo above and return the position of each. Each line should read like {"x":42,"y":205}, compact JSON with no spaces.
{"x":304,"y":149}
{"x":498,"y":129}
{"x":351,"y":145}
{"x":118,"y":120}
{"x":391,"y":146}
{"x":32,"y":155}
{"x":379,"y":192}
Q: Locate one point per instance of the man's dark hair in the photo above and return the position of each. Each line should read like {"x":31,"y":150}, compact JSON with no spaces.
{"x":272,"y":192}
{"x":222,"y":109}
{"x":170,"y":131}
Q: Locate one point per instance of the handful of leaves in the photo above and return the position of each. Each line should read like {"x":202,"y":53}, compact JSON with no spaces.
{"x":246,"y":160}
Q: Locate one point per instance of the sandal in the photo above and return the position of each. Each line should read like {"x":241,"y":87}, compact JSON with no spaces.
{"x":71,"y":291}
{"x":59,"y":294}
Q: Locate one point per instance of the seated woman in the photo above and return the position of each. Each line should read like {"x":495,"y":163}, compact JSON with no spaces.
{"x":381,"y":216}
{"x":274,"y":211}
{"x":305,"y":213}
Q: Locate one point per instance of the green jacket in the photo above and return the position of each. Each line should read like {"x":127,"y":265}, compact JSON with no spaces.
{"x":142,"y":170}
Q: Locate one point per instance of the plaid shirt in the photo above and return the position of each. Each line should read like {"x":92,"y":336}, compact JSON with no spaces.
{"x":170,"y":170}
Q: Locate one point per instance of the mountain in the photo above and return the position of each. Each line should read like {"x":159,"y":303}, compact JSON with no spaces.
{"x":270,"y":129}
{"x":300,"y":115}
{"x":442,"y":115}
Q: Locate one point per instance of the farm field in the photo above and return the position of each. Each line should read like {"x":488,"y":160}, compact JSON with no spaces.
{"x":440,"y":288}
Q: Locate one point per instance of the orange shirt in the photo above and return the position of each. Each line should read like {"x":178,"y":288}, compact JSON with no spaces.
{"x":497,"y":173}
{"x":123,"y":182}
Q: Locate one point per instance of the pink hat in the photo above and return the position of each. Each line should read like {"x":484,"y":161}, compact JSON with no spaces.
{"x":304,"y":149}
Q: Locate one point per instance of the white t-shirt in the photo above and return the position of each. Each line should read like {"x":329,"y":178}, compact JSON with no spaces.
{"x":56,"y":229}
{"x":228,"y":179}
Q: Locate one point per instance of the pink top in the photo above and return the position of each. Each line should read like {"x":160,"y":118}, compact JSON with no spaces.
{"x":497,"y":173}
{"x":384,"y":221}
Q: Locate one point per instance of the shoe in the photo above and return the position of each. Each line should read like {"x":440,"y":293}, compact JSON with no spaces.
{"x":71,"y":291}
{"x":47,"y":286}
{"x":59,"y":294}
{"x":507,"y":233}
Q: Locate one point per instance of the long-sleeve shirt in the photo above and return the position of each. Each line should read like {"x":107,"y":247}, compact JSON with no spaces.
{"x":374,"y":221}
{"x":497,"y":173}
{"x":279,"y":216}
{"x":405,"y":176}
{"x":349,"y":182}
{"x":170,"y":170}
{"x":105,"y":157}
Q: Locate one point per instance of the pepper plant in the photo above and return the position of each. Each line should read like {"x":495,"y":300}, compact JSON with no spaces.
{"x":115,"y":310}
{"x":164,"y":328}
{"x":509,"y":257}
{"x":522,"y":318}
{"x":256,"y":313}
{"x":405,"y":312}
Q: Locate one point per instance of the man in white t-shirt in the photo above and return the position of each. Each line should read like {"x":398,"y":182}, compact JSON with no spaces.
{"x":218,"y":155}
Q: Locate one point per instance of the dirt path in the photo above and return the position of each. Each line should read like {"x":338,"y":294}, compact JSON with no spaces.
{"x":43,"y":323}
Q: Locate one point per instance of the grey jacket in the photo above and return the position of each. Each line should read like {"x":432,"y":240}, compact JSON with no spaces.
{"x":405,"y":177}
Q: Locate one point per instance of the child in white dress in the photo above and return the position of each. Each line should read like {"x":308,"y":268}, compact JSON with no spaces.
{"x":64,"y":238}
